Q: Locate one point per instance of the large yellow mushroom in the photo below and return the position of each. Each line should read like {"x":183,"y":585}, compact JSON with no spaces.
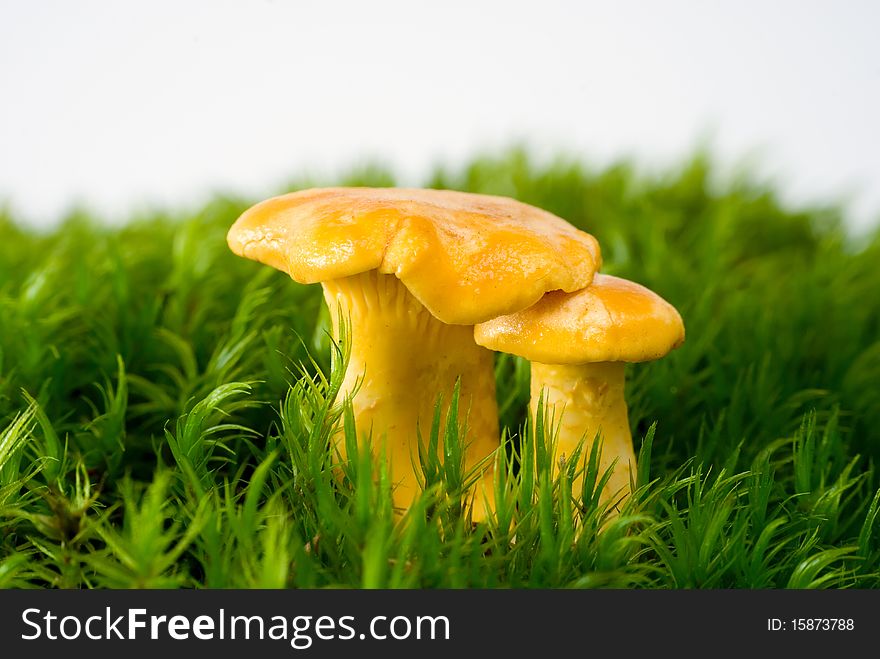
{"x":414,"y":270}
{"x":578,"y":344}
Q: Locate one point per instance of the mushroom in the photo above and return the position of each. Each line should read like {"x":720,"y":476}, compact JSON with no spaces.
{"x":414,"y":270}
{"x":578,"y":344}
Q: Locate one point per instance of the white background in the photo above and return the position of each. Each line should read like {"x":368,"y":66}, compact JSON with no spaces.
{"x":121,"y":104}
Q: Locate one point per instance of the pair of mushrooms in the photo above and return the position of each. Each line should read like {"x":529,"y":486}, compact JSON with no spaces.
{"x":432,"y":282}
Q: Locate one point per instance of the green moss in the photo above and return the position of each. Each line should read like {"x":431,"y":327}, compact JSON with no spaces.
{"x":165,"y":408}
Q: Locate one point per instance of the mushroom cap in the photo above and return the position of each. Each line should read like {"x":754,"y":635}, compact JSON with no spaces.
{"x":612,"y":320}
{"x":466,"y":257}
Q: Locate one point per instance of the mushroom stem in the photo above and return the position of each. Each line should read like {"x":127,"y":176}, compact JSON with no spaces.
{"x":402,"y":358}
{"x":582,"y":400}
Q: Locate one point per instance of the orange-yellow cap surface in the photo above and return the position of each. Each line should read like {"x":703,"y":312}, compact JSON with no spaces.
{"x":466,"y":257}
{"x":612,"y":320}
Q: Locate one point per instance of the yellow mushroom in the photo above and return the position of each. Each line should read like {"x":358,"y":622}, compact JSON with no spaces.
{"x":578,"y":344}
{"x":415,"y":270}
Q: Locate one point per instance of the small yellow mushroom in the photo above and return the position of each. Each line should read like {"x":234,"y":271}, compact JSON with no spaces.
{"x":414,"y":270}
{"x":578,"y":344}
